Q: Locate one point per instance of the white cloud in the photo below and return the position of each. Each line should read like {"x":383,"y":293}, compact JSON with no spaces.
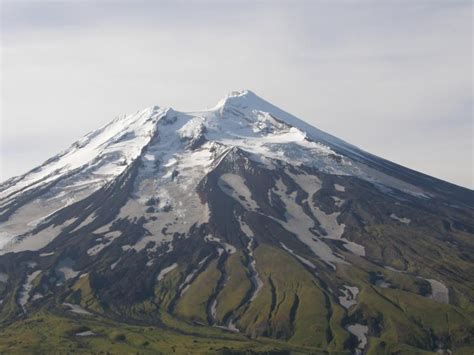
{"x":394,"y":79}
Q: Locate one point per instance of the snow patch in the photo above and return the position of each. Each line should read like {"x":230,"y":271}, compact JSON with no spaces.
{"x":114,"y":265}
{"x":338,"y":201}
{"x":47,"y":254}
{"x":110,"y":237}
{"x":190,"y":277}
{"x":31,"y":242}
{"x":65,"y":270}
{"x":439,"y":291}
{"x":37,"y":296}
{"x":3,"y":277}
{"x":87,"y":333}
{"x":234,"y":186}
{"x":300,"y":224}
{"x":165,"y":271}
{"x":335,"y":230}
{"x":192,"y":129}
{"x":76,"y":309}
{"x":360,"y":331}
{"x":349,"y":297}
{"x":403,"y":220}
{"x":26,"y":289}
{"x":229,"y":248}
{"x":254,"y":275}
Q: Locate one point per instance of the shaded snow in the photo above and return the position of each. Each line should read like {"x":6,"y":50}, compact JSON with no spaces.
{"x":360,"y":331}
{"x":76,"y":309}
{"x":170,"y":179}
{"x":382,"y":283}
{"x":114,"y":265}
{"x":311,"y":184}
{"x":338,"y":201}
{"x":65,"y":270}
{"x":439,"y":291}
{"x":33,"y":242}
{"x":229,"y":248}
{"x":87,"y":333}
{"x":37,"y":296}
{"x":349,"y":297}
{"x":254,"y":275}
{"x":184,"y":286}
{"x":47,"y":254}
{"x":234,"y":186}
{"x":403,"y":220}
{"x":335,"y":230}
{"x":299,"y":223}
{"x":213,"y":309}
{"x":3,"y":277}
{"x":192,"y":129}
{"x":166,"y":270}
{"x":109,"y":238}
{"x":232,"y":327}
{"x":26,"y":289}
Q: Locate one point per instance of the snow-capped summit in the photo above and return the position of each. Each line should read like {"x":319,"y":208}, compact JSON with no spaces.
{"x":243,"y":218}
{"x":237,"y":98}
{"x":182,"y":146}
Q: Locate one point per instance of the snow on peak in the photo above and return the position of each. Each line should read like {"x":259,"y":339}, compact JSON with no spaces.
{"x":240,"y":93}
{"x":240,"y":119}
{"x":237,"y":98}
{"x":247,"y":103}
{"x":103,"y":153}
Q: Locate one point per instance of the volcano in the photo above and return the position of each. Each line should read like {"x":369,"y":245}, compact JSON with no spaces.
{"x":235,"y":229}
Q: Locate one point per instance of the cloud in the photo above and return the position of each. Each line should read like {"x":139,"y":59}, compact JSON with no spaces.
{"x":393,"y":78}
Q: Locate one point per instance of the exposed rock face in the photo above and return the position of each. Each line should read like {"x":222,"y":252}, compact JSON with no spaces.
{"x":247,"y":219}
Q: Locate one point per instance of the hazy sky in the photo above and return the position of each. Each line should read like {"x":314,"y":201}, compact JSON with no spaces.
{"x":392,"y":77}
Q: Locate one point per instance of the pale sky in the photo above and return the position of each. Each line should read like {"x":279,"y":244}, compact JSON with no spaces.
{"x":392,"y":77}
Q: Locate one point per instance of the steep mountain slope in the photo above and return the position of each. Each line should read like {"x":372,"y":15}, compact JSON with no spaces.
{"x":239,"y":227}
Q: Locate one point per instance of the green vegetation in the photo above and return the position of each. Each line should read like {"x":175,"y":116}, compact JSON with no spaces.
{"x":166,"y":289}
{"x":42,"y":332}
{"x":193,"y":303}
{"x":83,"y":294}
{"x":287,"y":307}
{"x":236,"y":287}
{"x":293,"y":311}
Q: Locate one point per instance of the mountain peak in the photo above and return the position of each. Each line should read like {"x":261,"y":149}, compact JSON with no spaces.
{"x":241,"y":93}
{"x":238,"y":98}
